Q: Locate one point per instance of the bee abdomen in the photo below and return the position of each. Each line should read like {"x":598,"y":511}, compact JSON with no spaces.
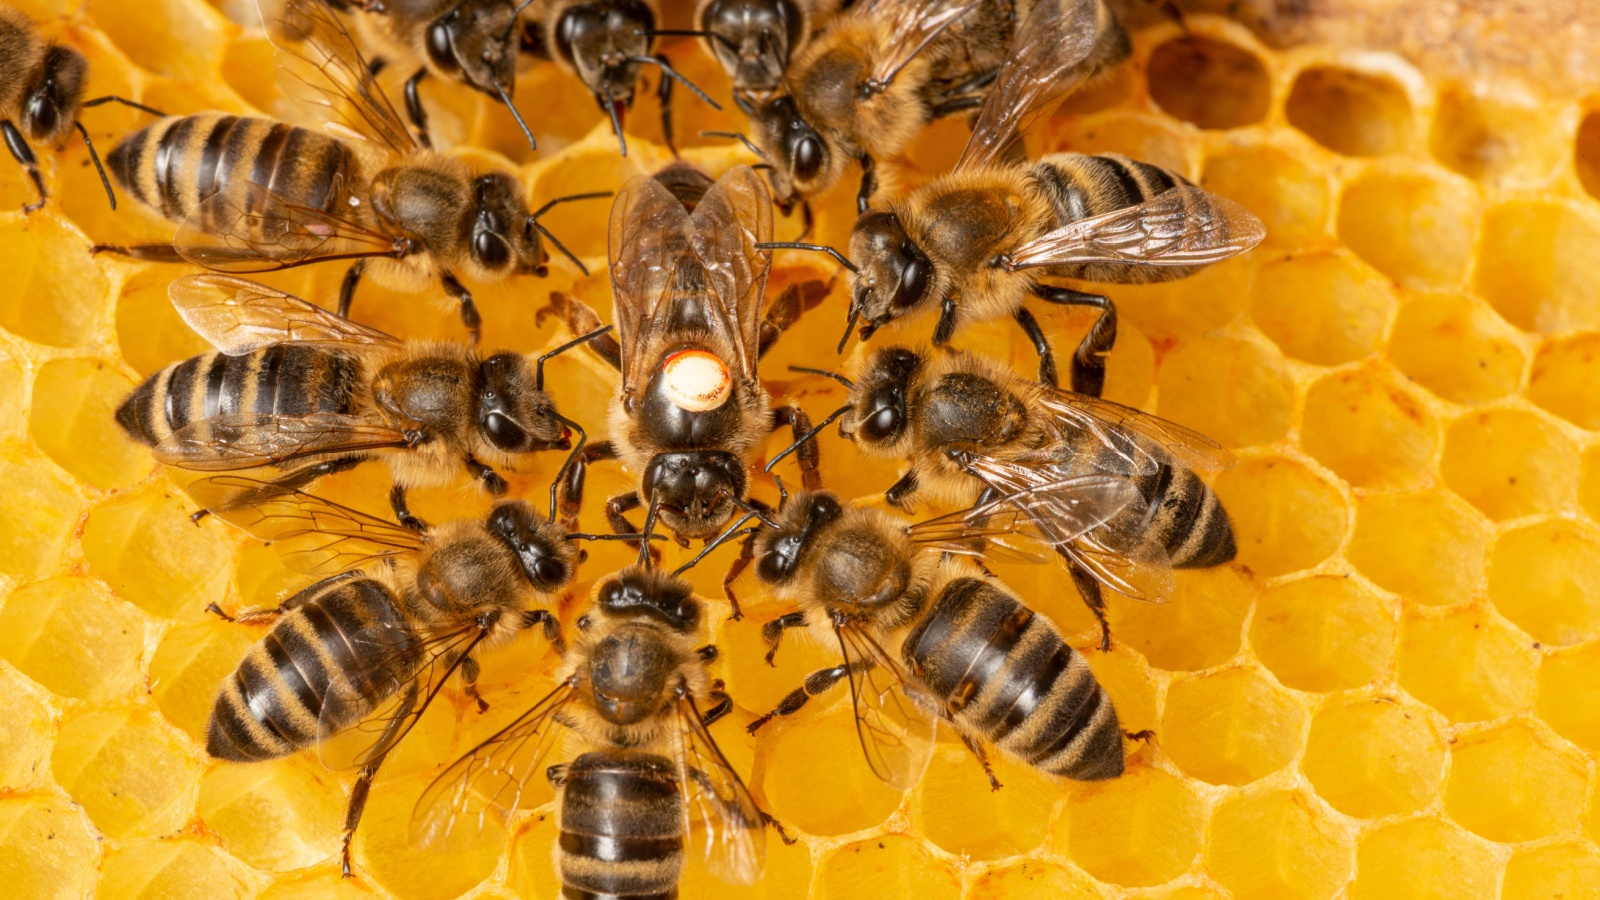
{"x":1006,"y":676}
{"x":176,"y":163}
{"x":348,"y":632}
{"x":1187,"y":518}
{"x":621,"y":828}
{"x":1079,"y":186}
{"x":283,"y":379}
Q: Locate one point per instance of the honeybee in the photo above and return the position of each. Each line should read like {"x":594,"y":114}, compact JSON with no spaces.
{"x":634,"y":688}
{"x":373,"y":645}
{"x":865,"y":86}
{"x":41,"y":96}
{"x":755,"y":39}
{"x":964,"y":243}
{"x":255,"y":195}
{"x":605,"y":43}
{"x":926,"y":635}
{"x":692,"y":409}
{"x":473,"y":42}
{"x":973,"y":431}
{"x":295,"y":387}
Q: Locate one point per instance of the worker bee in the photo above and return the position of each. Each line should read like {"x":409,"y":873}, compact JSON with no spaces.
{"x":41,"y":95}
{"x":295,"y":387}
{"x":755,"y":39}
{"x":973,"y":431}
{"x":606,"y":43}
{"x":373,"y":645}
{"x":692,"y":409}
{"x":964,"y":243}
{"x":473,"y":42}
{"x":255,"y":195}
{"x":635,"y":689}
{"x":864,"y":87}
{"x":926,"y":634}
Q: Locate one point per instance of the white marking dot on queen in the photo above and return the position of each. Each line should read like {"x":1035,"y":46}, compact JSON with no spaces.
{"x":696,"y":381}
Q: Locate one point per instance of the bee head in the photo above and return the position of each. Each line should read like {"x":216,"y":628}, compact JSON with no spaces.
{"x":475,"y":39}
{"x":630,"y":670}
{"x":752,"y":38}
{"x":513,"y":414}
{"x":502,"y":242}
{"x":694,"y":490}
{"x":802,"y":162}
{"x":878,"y":416}
{"x":895,"y":273}
{"x":604,"y":43}
{"x":639,"y":592}
{"x":779,"y":550}
{"x":49,"y":106}
{"x":547,"y":557}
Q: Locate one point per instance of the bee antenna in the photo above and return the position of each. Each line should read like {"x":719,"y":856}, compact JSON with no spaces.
{"x":810,"y":435}
{"x":648,"y":534}
{"x":97,"y":167}
{"x":783,"y":492}
{"x":595,"y":195}
{"x":522,"y":6}
{"x":850,"y":325}
{"x":741,"y":138}
{"x":838,"y":257}
{"x":668,"y":70}
{"x":732,"y":532}
{"x":585,"y":536}
{"x":616,"y":122}
{"x":560,"y":246}
{"x":505,"y":97}
{"x":538,"y":367}
{"x":754,"y":510}
{"x":825,"y":373}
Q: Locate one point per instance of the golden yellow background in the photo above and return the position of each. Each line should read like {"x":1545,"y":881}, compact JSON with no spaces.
{"x":1392,"y":693}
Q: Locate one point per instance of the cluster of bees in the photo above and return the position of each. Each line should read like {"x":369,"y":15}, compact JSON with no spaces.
{"x":925,"y":632}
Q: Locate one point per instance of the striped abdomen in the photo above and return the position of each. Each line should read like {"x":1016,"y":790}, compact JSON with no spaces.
{"x":1181,"y":515}
{"x":178,"y":162}
{"x":283,"y":379}
{"x":1007,"y":677}
{"x":348,"y":632}
{"x":621,"y":828}
{"x":1080,"y":186}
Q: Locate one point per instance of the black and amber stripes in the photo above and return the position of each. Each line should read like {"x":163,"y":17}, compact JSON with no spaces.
{"x":1079,"y":186}
{"x":346,"y":632}
{"x":621,"y":828}
{"x":1004,"y":674}
{"x":173,"y":165}
{"x":283,"y":379}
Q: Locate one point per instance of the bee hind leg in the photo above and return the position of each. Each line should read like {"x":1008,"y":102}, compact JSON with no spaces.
{"x":160,"y":253}
{"x":571,"y":494}
{"x":469,"y":682}
{"x":772,"y":632}
{"x":347,"y":287}
{"x":24,"y":156}
{"x":1089,"y":361}
{"x":354,"y":809}
{"x":1093,"y":598}
{"x":402,"y":512}
{"x":815,"y":684}
{"x":983,"y":760}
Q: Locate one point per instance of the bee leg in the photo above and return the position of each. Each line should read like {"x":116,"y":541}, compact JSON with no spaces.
{"x":1143,"y":737}
{"x":783,"y":834}
{"x":796,"y":300}
{"x":816,"y":683}
{"x":353,"y":810}
{"x":1093,"y":598}
{"x":347,"y":287}
{"x":402,"y":512}
{"x":1089,"y":362}
{"x":869,"y":185}
{"x":772,"y":632}
{"x":900,"y":493}
{"x":945,"y":328}
{"x":469,"y":682}
{"x":419,"y":116}
{"x":616,"y":509}
{"x":469,"y":310}
{"x":551,"y":625}
{"x":556,"y":775}
{"x":983,"y":760}
{"x":806,"y":454}
{"x":664,"y":94}
{"x":747,"y":553}
{"x":572,"y":483}
{"x":24,"y":156}
{"x":376,"y":65}
{"x":298,"y":599}
{"x":492,"y":482}
{"x":581,"y":319}
{"x":1041,"y":344}
{"x":722,"y":706}
{"x":161,"y":253}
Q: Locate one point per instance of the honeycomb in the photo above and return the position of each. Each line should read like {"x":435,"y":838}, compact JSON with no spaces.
{"x":1392,"y":692}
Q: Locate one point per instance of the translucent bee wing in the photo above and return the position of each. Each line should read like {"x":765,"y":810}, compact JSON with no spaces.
{"x":239,"y":316}
{"x":913,"y":26}
{"x":1182,"y":226}
{"x":251,"y":440}
{"x":1137,"y":439}
{"x":1036,"y":518}
{"x":732,"y":217}
{"x":313,"y":535}
{"x":733,"y":840}
{"x":897,"y":718}
{"x":1044,"y":65}
{"x":647,"y":244}
{"x":248,"y":228}
{"x":492,"y":777}
{"x":1138,"y":570}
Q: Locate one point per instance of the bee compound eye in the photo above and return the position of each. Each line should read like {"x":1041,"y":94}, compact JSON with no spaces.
{"x":490,"y":250}
{"x":696,"y":381}
{"x":549,"y":572}
{"x":883,"y":424}
{"x":807,"y":158}
{"x":504,"y":433}
{"x":913,"y":280}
